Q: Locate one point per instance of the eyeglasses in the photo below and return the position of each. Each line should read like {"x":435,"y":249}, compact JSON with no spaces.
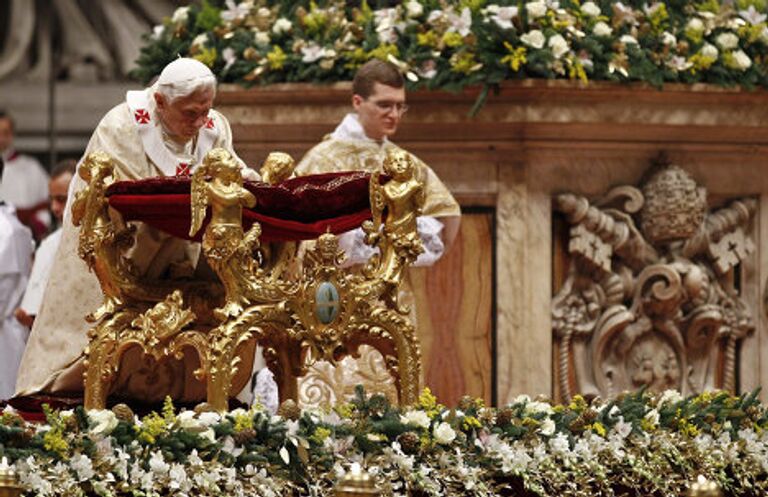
{"x":384,"y":107}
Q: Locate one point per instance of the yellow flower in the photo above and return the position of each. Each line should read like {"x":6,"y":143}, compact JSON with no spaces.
{"x":428,"y":39}
{"x":576,"y":70}
{"x":276,"y":58}
{"x":54,"y":441}
{"x":516,"y":57}
{"x":701,"y":62}
{"x":470,"y":422}
{"x":453,"y":39}
{"x":320,"y":435}
{"x":315,"y":21}
{"x":598,"y":428}
{"x":344,"y":410}
{"x":658,"y":15}
{"x":577,"y":403}
{"x":243,"y":422}
{"x":464,"y":62}
{"x":152,"y":425}
{"x":207,"y":56}
{"x":383,"y":51}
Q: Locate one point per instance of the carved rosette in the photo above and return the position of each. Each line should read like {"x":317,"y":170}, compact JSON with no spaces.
{"x":650,"y":300}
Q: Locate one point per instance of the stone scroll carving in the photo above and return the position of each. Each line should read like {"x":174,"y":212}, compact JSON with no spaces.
{"x":651,"y":298}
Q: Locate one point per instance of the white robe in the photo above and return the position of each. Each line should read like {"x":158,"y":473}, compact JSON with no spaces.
{"x":25,"y":184}
{"x":53,"y":359}
{"x":15,"y":260}
{"x":45,"y":255}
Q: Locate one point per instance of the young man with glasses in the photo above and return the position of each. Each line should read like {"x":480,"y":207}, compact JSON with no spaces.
{"x":360,"y":143}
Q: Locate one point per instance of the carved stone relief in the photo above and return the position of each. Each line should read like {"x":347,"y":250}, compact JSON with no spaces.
{"x":651,"y":298}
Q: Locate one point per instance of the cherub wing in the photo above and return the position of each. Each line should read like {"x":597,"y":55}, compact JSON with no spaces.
{"x":198,"y":198}
{"x":377,"y":199}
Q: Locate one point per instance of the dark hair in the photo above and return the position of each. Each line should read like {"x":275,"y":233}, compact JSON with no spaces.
{"x":5,"y":115}
{"x":376,"y":71}
{"x":63,"y":167}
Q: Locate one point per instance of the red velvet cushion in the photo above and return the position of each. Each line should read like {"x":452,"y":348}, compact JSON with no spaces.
{"x":297,"y":209}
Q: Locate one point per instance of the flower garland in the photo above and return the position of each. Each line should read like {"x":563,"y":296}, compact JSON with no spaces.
{"x":638,"y":444}
{"x":451,"y":44}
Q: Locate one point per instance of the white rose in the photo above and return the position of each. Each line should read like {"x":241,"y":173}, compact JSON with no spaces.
{"x":414,"y":8}
{"x":741,"y":60}
{"x":652,"y":417}
{"x":282,"y":25}
{"x":209,"y":418}
{"x":710,"y":51}
{"x":180,"y":15}
{"x":261,"y":38}
{"x":590,"y":9}
{"x":200,"y":40}
{"x":444,"y":434}
{"x":416,"y":418}
{"x":536,"y":9}
{"x":101,"y":421}
{"x":695,"y":24}
{"x":558,"y":45}
{"x":628,"y":40}
{"x":727,"y":41}
{"x":547,"y":427}
{"x":537,"y":407}
{"x":670,"y":396}
{"x":668,"y":38}
{"x":602,"y":29}
{"x":533,"y":38}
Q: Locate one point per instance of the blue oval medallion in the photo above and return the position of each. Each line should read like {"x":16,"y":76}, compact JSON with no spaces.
{"x":326,"y":302}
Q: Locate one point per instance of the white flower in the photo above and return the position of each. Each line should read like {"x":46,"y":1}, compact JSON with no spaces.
{"x":622,"y":428}
{"x":200,"y":40}
{"x":416,"y":418}
{"x":261,"y":38}
{"x":282,"y":25}
{"x":727,"y":40}
{"x":229,"y":56}
{"x":385,"y":20}
{"x":652,"y":417}
{"x":710,"y":51}
{"x":414,"y":8}
{"x":536,"y":9}
{"x":444,"y":434}
{"x":101,"y":421}
{"x":602,"y":29}
{"x":741,"y":60}
{"x":628,"y":40}
{"x":533,"y":38}
{"x":536,"y":407}
{"x":178,"y":477}
{"x":157,"y":31}
{"x":157,"y":464}
{"x":502,"y":16}
{"x":590,"y":9}
{"x":461,"y":24}
{"x":209,"y":418}
{"x":559,"y":444}
{"x":228,"y":446}
{"x":521,"y":399}
{"x":234,"y":11}
{"x":284,"y":455}
{"x":82,"y":466}
{"x":180,"y":15}
{"x":670,"y":397}
{"x":558,"y":45}
{"x":679,"y":63}
{"x":668,"y":39}
{"x":695,"y":24}
{"x":752,"y":16}
{"x":547,"y":427}
{"x":428,"y":69}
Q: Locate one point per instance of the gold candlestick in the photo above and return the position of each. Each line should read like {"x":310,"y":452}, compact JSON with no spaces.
{"x":356,"y":483}
{"x":704,"y":488}
{"x":9,"y":484}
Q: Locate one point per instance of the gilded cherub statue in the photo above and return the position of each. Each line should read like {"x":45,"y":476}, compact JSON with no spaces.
{"x":396,"y":204}
{"x":218,"y":183}
{"x":278,"y":257}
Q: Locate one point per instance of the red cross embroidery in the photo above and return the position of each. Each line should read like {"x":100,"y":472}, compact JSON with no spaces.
{"x":141,"y":116}
{"x":209,"y":123}
{"x":182,"y":169}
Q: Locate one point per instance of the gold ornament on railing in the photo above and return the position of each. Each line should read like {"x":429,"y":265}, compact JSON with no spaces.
{"x":356,"y":483}
{"x":9,"y":483}
{"x":703,"y":487}
{"x":323,"y":313}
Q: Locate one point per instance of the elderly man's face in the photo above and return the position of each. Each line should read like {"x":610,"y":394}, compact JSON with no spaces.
{"x":6,"y":134}
{"x":57,"y":190}
{"x":381,"y":112}
{"x":184,"y":117}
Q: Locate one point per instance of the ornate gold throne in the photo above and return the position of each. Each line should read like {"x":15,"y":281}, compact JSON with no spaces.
{"x":320,"y":312}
